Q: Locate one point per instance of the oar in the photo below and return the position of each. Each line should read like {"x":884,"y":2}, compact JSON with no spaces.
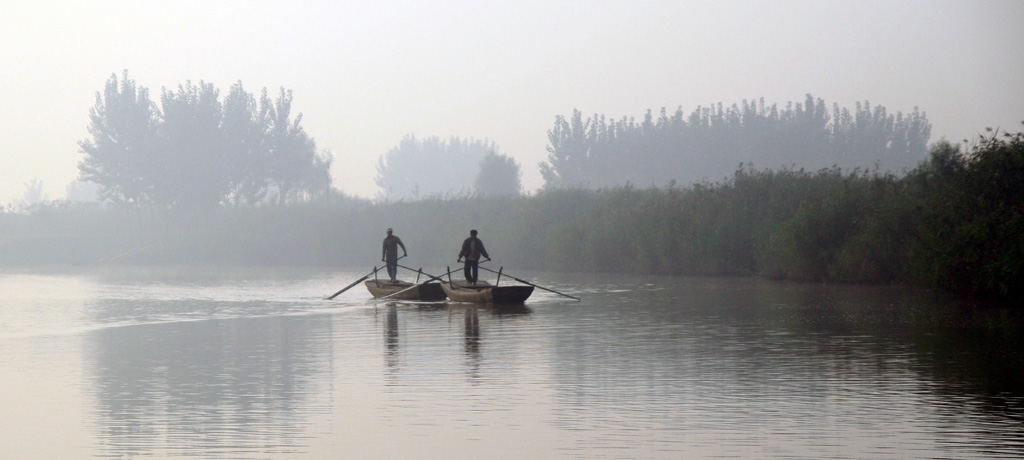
{"x":336,"y":294}
{"x":534,"y":285}
{"x":432,"y":278}
{"x":415,"y":270}
{"x":360,"y":280}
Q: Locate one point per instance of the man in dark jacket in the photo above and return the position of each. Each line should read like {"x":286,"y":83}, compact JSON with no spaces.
{"x":472,"y":249}
{"x":390,"y":253}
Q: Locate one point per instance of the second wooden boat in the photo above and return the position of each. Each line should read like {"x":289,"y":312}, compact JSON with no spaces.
{"x":427,"y":292}
{"x":484,"y":292}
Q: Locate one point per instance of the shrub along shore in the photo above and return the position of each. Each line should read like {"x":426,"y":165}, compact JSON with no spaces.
{"x":955,"y":223}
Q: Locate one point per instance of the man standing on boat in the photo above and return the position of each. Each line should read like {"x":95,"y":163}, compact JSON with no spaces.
{"x":472,"y":249}
{"x":390,"y":254}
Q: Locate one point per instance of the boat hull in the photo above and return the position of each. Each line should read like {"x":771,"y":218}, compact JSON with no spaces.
{"x":427,"y":292}
{"x":483,"y":292}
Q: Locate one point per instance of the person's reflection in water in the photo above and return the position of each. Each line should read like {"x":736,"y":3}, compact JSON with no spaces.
{"x":472,"y":346}
{"x":391,"y":336}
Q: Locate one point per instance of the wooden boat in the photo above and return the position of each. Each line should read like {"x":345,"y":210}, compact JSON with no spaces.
{"x":484,"y":292}
{"x":427,"y":292}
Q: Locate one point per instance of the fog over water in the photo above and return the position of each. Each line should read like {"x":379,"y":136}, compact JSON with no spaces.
{"x":366,"y":75}
{"x":781,"y":245}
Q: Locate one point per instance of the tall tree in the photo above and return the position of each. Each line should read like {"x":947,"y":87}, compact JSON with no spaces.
{"x":499,"y":175}
{"x":569,"y":149}
{"x":245,"y":126}
{"x":297,"y":172}
{"x":119,"y":156}
{"x":194,"y":168}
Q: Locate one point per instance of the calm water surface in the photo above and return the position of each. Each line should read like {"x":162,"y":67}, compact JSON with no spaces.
{"x":254,"y":364}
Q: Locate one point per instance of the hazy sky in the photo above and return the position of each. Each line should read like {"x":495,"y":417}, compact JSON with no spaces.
{"x":365,"y":74}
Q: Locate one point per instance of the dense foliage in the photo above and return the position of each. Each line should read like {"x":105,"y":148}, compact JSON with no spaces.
{"x":416,"y":169}
{"x":971,"y":237}
{"x":708,"y":143}
{"x":198,"y":151}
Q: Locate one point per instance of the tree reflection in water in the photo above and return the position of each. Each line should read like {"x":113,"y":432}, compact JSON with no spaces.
{"x":207,"y":388}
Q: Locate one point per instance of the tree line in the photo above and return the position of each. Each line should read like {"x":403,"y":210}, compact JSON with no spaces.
{"x":197,"y":150}
{"x":708,"y":143}
{"x":954,"y":223}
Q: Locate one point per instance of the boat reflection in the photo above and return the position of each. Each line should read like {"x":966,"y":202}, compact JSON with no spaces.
{"x":474,"y":318}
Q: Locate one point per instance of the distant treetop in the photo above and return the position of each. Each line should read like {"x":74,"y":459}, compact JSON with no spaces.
{"x":709,"y":143}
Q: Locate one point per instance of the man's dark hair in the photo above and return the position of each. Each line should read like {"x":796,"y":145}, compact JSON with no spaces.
{"x":472,"y":232}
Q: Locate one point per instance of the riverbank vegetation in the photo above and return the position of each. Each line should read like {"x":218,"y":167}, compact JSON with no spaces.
{"x":955,"y":223}
{"x":824,"y":196}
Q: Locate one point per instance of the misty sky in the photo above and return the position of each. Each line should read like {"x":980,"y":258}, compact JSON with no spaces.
{"x":365,"y":74}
